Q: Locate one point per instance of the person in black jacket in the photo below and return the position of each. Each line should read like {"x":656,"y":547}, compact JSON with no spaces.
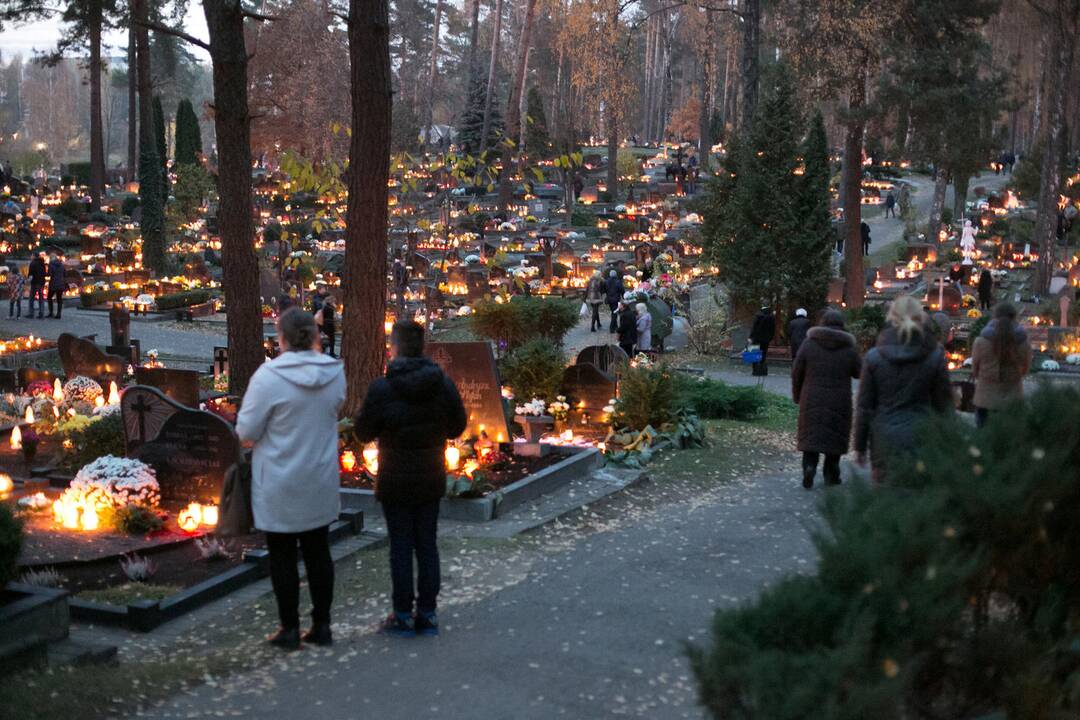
{"x":986,"y":290}
{"x":36,"y":272}
{"x":412,"y":412}
{"x":627,"y":327}
{"x":761,"y":334}
{"x":57,"y":285}
{"x":613,"y":292}
{"x":796,"y":331}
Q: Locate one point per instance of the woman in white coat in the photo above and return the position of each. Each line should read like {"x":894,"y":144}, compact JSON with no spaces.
{"x":644,"y":328}
{"x":290,"y":414}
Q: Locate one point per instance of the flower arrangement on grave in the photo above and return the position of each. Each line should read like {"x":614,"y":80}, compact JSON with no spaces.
{"x":39,"y":388}
{"x":30,"y":440}
{"x":533,"y":408}
{"x":559,"y":409}
{"x":968,"y":301}
{"x":81,"y":390}
{"x":118,"y":482}
{"x":152,"y":359}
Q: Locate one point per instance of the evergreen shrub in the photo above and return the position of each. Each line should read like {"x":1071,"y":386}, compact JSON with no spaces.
{"x":534,"y":370}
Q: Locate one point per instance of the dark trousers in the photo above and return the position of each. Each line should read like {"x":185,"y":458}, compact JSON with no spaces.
{"x":890,"y":209}
{"x":984,"y":303}
{"x":831,"y":469}
{"x":628,"y":348}
{"x":762,"y":368}
{"x":412,"y":530}
{"x":15,"y":307}
{"x":614,"y":316}
{"x":982,"y":415}
{"x":37,"y":293}
{"x":58,"y":295}
{"x":284,"y":576}
{"x":330,"y":338}
{"x":595,"y":324}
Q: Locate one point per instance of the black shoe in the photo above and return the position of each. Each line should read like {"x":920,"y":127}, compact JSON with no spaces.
{"x":319,"y":634}
{"x":286,"y":638}
{"x":808,"y":477}
{"x":831,"y":479}
{"x":398,"y":625}
{"x":426,"y":624}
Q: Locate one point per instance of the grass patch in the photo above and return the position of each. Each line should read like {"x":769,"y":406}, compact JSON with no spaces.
{"x":780,"y":413}
{"x":129,"y":592}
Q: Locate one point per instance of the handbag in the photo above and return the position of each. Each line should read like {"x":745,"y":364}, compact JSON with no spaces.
{"x":234,"y":508}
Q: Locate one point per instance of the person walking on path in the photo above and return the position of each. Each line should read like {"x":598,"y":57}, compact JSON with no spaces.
{"x":327,"y":323}
{"x":643,"y":323}
{"x":627,"y":328}
{"x":595,"y":293}
{"x":904,"y":380}
{"x":762,"y":333}
{"x":15,"y":282}
{"x":36,"y":272}
{"x":290,"y":415}
{"x":821,"y":386}
{"x":864,"y":229}
{"x":796,"y":331}
{"x":986,"y":289}
{"x":613,"y":290}
{"x":1000,"y":358}
{"x":411,"y":412}
{"x":890,"y":204}
{"x":57,"y":285}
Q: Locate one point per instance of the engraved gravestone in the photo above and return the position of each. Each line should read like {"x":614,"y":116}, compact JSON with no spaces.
{"x":608,"y":358}
{"x":82,"y":357}
{"x":471,"y":367}
{"x":588,"y":389}
{"x":180,"y":385}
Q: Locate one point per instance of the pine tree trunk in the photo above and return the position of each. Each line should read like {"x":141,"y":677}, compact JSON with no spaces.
{"x":133,"y":108}
{"x":855,"y":282}
{"x":960,"y":193}
{"x":704,"y":120}
{"x":751,"y":48}
{"x":495,"y":43}
{"x":474,"y":38}
{"x":97,"y":150}
{"x":232,"y":124}
{"x":937,"y":204}
{"x":513,"y":104}
{"x":364,"y":282}
{"x":432,"y":71}
{"x":1045,"y":231}
{"x":648,"y":90}
{"x":151,"y":223}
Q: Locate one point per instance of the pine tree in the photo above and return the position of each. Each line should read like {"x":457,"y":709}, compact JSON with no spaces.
{"x":404,"y":127}
{"x":152,"y":223}
{"x":537,"y":140}
{"x":471,"y":126}
{"x":188,"y":134}
{"x":161,"y":148}
{"x":753,"y":215}
{"x":808,"y":252}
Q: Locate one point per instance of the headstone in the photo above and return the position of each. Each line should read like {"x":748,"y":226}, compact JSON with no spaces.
{"x":80,"y":356}
{"x":120,"y":325}
{"x":182,"y":386}
{"x":191,"y":450}
{"x":471,"y":367}
{"x":608,"y":358}
{"x":91,"y":245}
{"x":221,"y":361}
{"x":27,"y":375}
{"x":8,"y":380}
{"x":587,"y":389}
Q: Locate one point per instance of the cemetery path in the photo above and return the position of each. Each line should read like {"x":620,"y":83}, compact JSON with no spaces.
{"x":584,"y":618}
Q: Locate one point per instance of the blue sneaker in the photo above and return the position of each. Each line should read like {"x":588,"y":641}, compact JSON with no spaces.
{"x":398,"y":625}
{"x":426,"y":624}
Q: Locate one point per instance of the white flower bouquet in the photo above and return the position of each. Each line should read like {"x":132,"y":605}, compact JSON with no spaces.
{"x":117,"y":482}
{"x":81,"y":389}
{"x":534,"y":407}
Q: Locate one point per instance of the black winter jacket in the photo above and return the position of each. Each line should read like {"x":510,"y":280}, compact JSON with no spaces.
{"x":763,"y":330}
{"x":901,"y":385}
{"x":412,"y":412}
{"x":627,"y":327}
{"x":613,"y":290}
{"x":821,"y":384}
{"x":36,"y":271}
{"x":796,"y":331}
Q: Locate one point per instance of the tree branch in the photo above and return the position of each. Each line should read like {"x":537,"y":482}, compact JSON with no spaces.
{"x":158,"y":27}
{"x":251,"y":14}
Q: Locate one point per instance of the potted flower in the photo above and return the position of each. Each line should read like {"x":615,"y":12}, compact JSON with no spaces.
{"x":30,"y":440}
{"x":560,"y":410}
{"x":533,"y":420}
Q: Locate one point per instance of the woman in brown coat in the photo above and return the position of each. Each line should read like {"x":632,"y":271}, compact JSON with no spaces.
{"x":821,"y":384}
{"x":1000,"y":358}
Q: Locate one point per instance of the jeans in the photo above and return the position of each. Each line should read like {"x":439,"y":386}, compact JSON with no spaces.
{"x":37,"y":292}
{"x":831,"y":470}
{"x":614,"y":316}
{"x":412,"y":530}
{"x":595,"y":324}
{"x":329,"y":338}
{"x":284,"y":576}
{"x":58,"y":295}
{"x":15,"y":307}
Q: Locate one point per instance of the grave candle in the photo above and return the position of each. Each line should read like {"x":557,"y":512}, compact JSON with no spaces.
{"x":58,"y":391}
{"x":371,"y":459}
{"x":29,"y":416}
{"x":453,"y":457}
{"x":210,"y":515}
{"x":16,"y":438}
{"x":71,"y":516}
{"x":6,"y":484}
{"x":348,"y":461}
{"x":90,"y":518}
{"x":114,"y":393}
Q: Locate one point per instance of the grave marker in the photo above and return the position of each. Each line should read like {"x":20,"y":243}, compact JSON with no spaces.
{"x":182,"y":386}
{"x":588,"y":389}
{"x":82,"y":357}
{"x":471,"y":367}
{"x":608,"y":358}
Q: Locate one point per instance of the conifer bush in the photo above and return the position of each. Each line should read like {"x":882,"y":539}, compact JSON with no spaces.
{"x":10,"y":544}
{"x":952,"y":591}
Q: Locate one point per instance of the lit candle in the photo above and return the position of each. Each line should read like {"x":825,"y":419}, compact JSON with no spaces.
{"x":58,"y":510}
{"x":348,"y":461}
{"x":71,"y":516}
{"x":114,"y":393}
{"x":29,"y":416}
{"x":210,"y":515}
{"x":453,"y":457}
{"x":99,"y":401}
{"x":371,"y":459}
{"x":16,"y":438}
{"x":6,"y":484}
{"x":90,"y":518}
{"x":57,"y":391}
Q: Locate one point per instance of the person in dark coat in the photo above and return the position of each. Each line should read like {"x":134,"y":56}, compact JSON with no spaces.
{"x":796,"y":331}
{"x":986,"y":290}
{"x":890,"y":204}
{"x":411,"y":412}
{"x":821,"y":385}
{"x":864,"y":230}
{"x":762,"y":333}
{"x":905,"y":379}
{"x":628,"y":333}
{"x":57,"y":285}
{"x":613,"y":292}
{"x":36,"y":272}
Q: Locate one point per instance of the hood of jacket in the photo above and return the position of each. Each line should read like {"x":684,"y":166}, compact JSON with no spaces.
{"x":918,"y":348}
{"x":830,"y":338}
{"x":414,"y":377}
{"x":1019,"y":334}
{"x":307,"y":369}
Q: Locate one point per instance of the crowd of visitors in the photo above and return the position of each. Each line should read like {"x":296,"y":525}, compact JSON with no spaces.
{"x":44,"y":281}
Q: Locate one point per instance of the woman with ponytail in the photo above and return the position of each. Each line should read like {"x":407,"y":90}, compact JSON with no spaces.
{"x":905,"y":378}
{"x":1000,"y":358}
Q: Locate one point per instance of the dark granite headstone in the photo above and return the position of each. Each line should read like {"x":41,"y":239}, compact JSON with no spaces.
{"x":221,"y":361}
{"x":27,"y":375}
{"x":191,"y":450}
{"x":181,"y":386}
{"x":8,"y":380}
{"x":89,"y":245}
{"x":471,"y":366}
{"x":120,"y":325}
{"x":587,"y":389}
{"x":607,"y":358}
{"x":80,"y":356}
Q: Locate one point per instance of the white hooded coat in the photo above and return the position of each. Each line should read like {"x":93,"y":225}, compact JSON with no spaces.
{"x":290,"y":412}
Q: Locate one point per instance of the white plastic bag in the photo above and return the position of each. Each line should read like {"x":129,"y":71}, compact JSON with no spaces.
{"x":584,"y":310}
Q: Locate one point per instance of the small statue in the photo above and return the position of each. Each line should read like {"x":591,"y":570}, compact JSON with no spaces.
{"x":967,"y":243}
